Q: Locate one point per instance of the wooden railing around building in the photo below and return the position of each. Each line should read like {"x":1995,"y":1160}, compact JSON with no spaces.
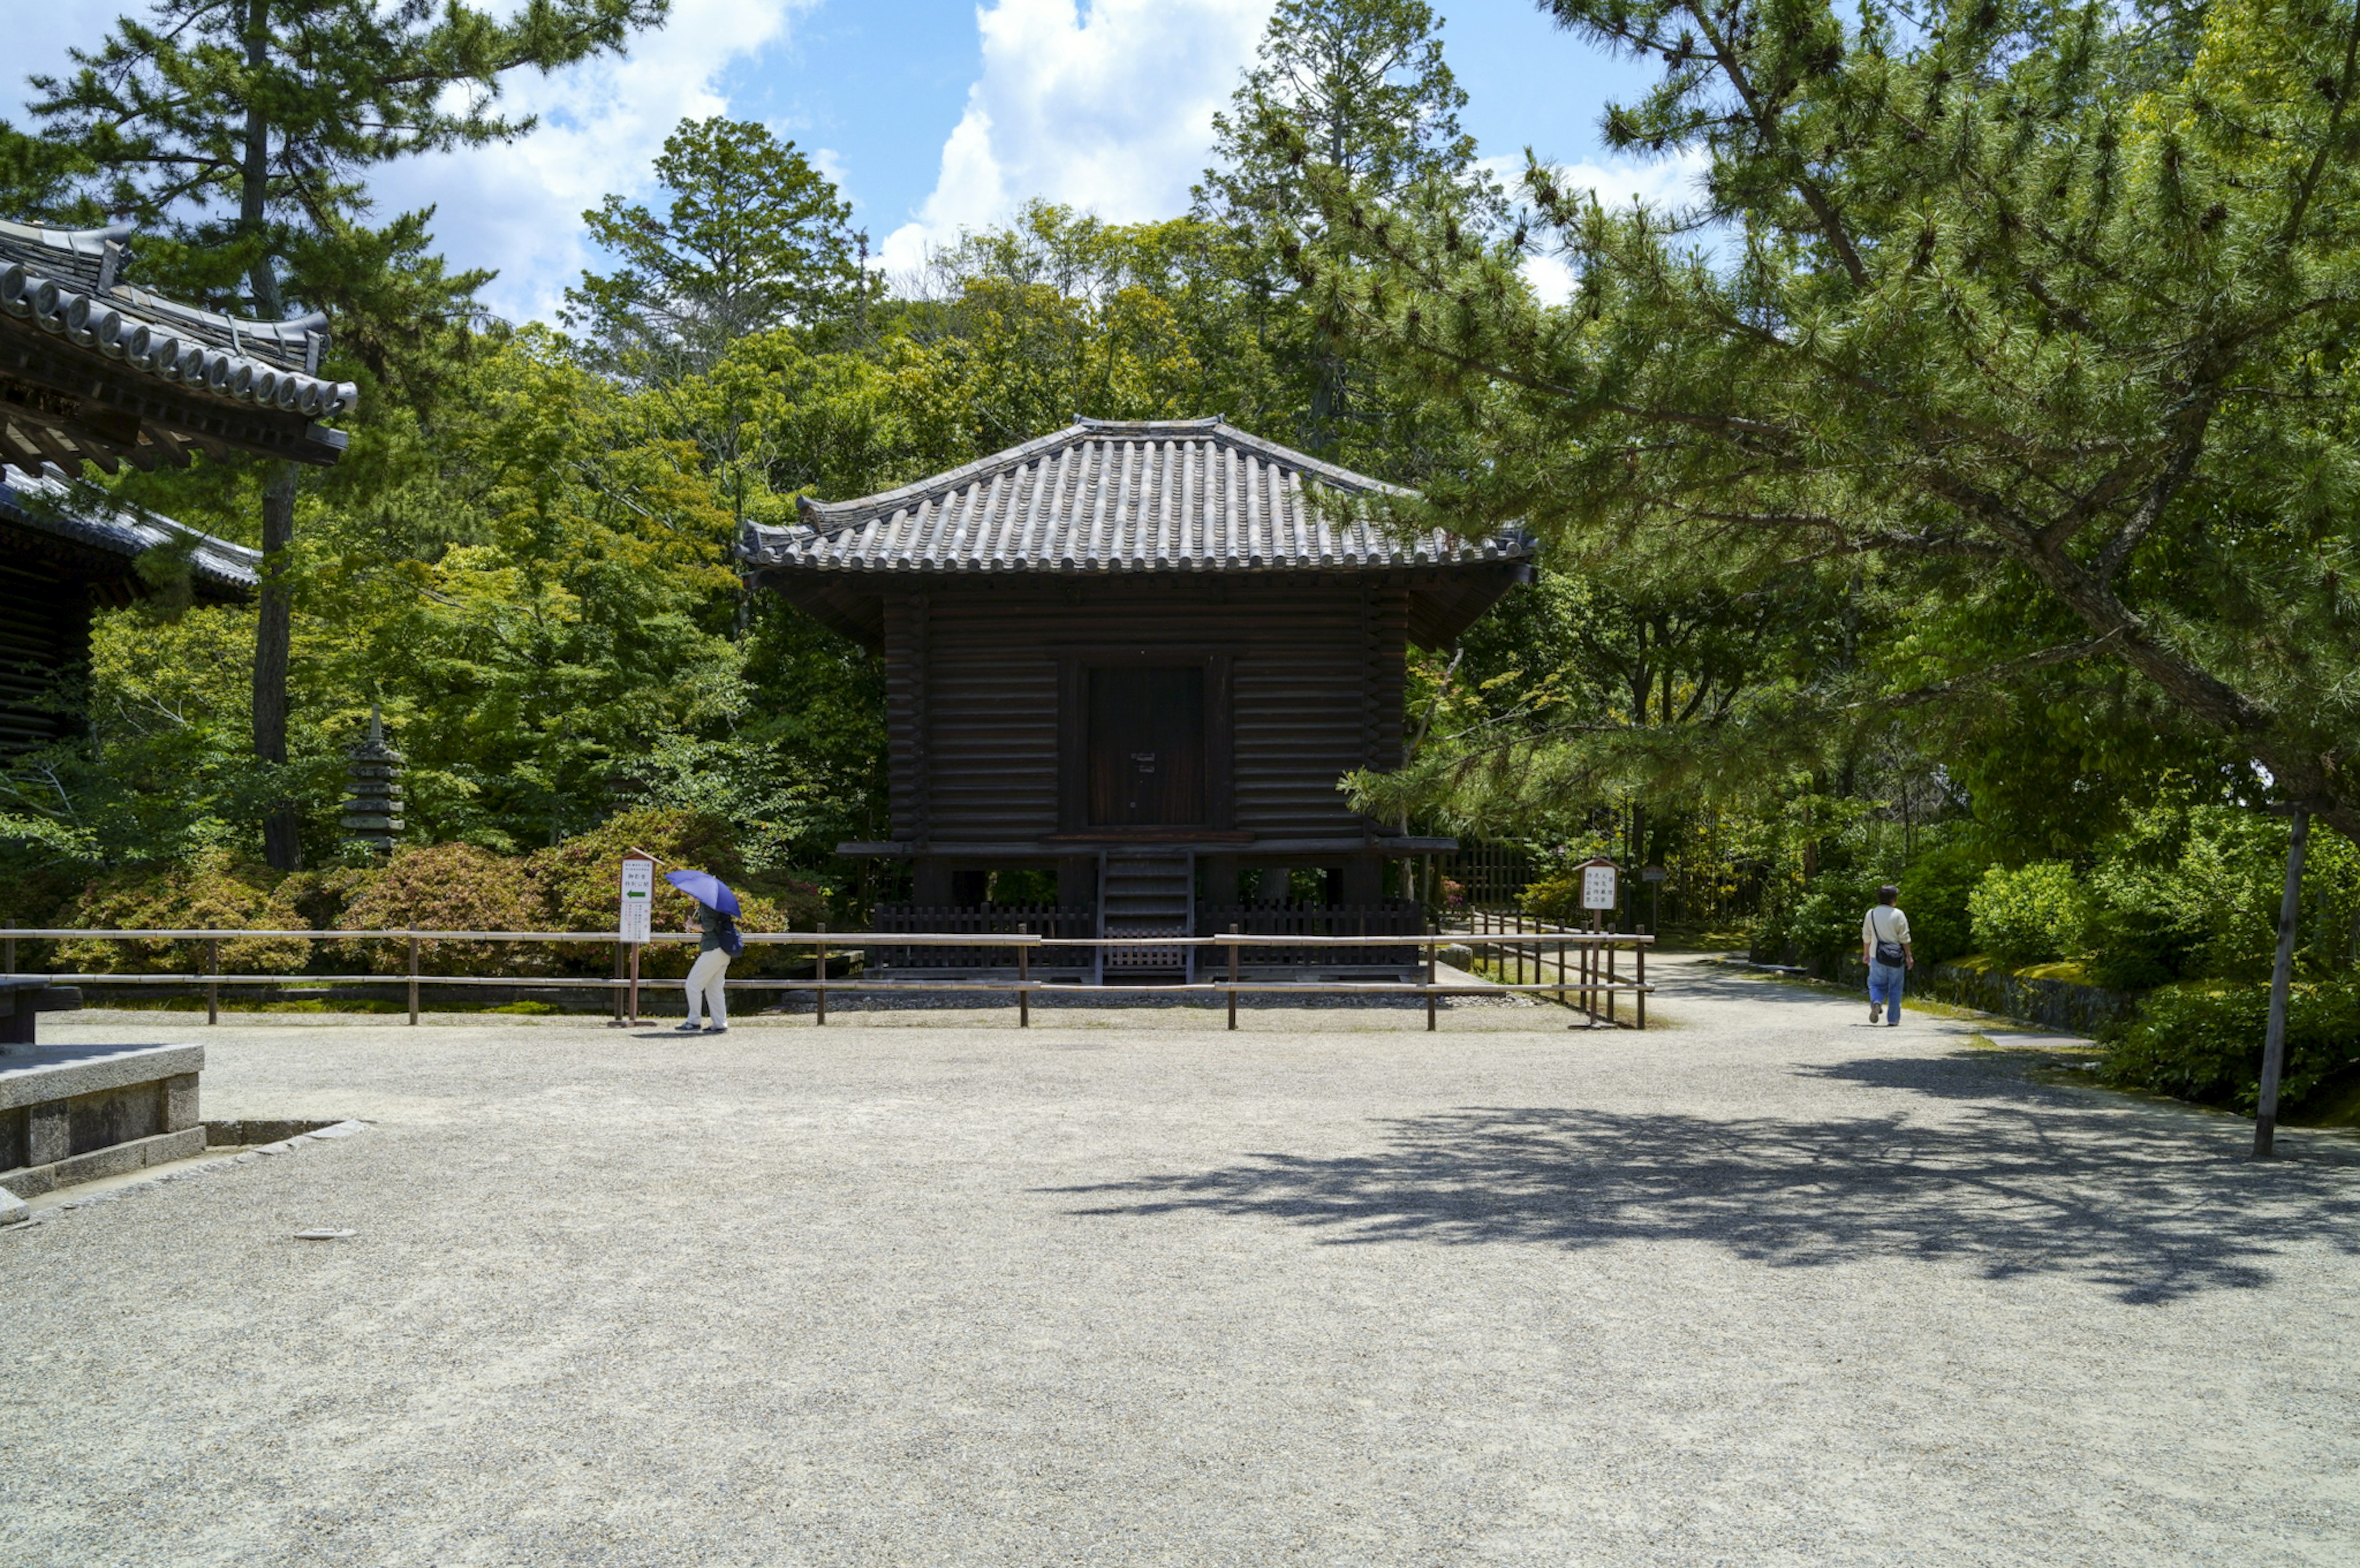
{"x":1577,"y":968}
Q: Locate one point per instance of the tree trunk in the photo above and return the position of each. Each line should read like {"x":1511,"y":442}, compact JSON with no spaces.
{"x":281,"y":828}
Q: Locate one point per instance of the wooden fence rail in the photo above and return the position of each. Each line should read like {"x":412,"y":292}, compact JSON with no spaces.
{"x":1588,"y":957}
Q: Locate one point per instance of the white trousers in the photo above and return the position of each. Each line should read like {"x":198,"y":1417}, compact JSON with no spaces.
{"x":705,"y":980}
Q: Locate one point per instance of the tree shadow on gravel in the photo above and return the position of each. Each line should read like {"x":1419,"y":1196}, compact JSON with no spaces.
{"x":2145,"y":1205}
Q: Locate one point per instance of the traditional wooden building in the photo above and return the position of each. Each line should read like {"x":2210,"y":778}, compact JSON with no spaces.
{"x":64,"y":552}
{"x":1136,"y":659}
{"x":95,"y":370}
{"x":92,"y":369}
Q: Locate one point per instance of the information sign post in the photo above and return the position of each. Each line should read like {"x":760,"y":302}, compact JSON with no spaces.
{"x":635,"y":921}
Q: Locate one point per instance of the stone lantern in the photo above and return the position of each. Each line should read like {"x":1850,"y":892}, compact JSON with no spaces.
{"x":373,"y":800}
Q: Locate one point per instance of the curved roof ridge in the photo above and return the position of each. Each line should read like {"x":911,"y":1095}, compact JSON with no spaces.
{"x":1117,"y":495}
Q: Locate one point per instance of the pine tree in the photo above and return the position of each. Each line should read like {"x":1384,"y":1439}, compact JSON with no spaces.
{"x":2036,"y":324}
{"x":754,"y":238}
{"x":238,"y":134}
{"x":1358,"y":91}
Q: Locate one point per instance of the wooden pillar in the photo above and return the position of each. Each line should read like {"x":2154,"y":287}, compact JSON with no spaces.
{"x":1077,"y":882}
{"x":930,"y":882}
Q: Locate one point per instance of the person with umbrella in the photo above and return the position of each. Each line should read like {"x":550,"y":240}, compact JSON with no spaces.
{"x":715,"y":915}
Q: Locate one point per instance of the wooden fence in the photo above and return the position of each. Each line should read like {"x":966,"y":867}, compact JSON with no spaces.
{"x":1583,"y":964}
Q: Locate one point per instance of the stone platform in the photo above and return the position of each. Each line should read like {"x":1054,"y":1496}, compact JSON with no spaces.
{"x":74,"y":1112}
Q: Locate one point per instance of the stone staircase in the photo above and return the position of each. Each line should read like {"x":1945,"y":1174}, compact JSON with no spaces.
{"x":1146,"y":895}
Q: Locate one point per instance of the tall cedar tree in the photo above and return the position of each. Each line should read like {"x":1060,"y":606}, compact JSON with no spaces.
{"x":2050,"y":315}
{"x":238,"y":133}
{"x":1358,"y":90}
{"x":754,"y":238}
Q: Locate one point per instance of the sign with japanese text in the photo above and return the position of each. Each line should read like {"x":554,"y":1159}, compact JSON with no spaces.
{"x":636,"y":921}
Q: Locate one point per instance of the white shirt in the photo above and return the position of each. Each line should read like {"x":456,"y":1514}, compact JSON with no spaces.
{"x":1895,"y":927}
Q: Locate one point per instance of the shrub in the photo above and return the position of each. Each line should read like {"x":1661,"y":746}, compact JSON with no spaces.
{"x":1935,"y":891}
{"x":2202,"y":1042}
{"x":1557,"y":896}
{"x":578,"y":877}
{"x":320,"y":897}
{"x":2031,"y":915}
{"x":449,"y":887}
{"x":1824,"y":924}
{"x":209,"y":890}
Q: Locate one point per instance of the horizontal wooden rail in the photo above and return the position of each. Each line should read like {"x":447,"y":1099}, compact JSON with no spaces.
{"x":849,"y":939}
{"x":758,"y":982}
{"x":1593,"y":985}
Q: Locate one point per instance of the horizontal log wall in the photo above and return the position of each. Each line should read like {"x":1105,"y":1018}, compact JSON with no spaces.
{"x":44,"y":631}
{"x":973,"y":695}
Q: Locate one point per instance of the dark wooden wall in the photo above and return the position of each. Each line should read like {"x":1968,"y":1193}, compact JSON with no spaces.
{"x":44,"y":631}
{"x":1314,"y":669}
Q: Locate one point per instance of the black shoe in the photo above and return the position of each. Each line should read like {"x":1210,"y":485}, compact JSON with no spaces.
{"x":718,"y":1028}
{"x":688,"y":1028}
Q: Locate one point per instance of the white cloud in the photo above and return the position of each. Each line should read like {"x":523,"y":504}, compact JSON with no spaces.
{"x":1109,"y":109}
{"x":1661,"y":184}
{"x":519,"y":205}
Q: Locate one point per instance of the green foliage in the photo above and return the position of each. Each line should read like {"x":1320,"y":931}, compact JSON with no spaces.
{"x":2202,"y":1042}
{"x":2188,"y":892}
{"x":1824,"y":924}
{"x":2032,"y":914}
{"x":447,"y":886}
{"x":1936,"y":892}
{"x":229,"y":130}
{"x":578,"y":879}
{"x":754,"y":238}
{"x":2031,"y":335}
{"x":207,"y":891}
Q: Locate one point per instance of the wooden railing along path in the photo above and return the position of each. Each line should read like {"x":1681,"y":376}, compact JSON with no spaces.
{"x":1583,"y":978}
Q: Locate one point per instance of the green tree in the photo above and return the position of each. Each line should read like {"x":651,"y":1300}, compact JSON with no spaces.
{"x":753,"y":238}
{"x":2039,"y":322}
{"x":239,"y":133}
{"x":1357,"y":92}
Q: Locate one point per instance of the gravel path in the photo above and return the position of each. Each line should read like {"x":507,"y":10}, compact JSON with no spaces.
{"x":1764,"y":1286}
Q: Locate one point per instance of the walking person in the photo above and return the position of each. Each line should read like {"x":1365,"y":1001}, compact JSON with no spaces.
{"x":1885,"y":947}
{"x":716,"y":916}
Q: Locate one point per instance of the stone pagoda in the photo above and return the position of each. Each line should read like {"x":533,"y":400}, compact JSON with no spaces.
{"x":373,"y":798}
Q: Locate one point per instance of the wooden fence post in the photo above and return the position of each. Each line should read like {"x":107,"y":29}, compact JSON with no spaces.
{"x":1639,"y":957}
{"x":1233,"y":976}
{"x":1025,"y":978}
{"x":414,"y":981}
{"x":1430,"y":945}
{"x":1609,"y":982}
{"x":819,"y":978}
{"x":213,"y":986}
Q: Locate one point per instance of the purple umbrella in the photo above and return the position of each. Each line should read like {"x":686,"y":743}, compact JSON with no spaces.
{"x":705,"y":888}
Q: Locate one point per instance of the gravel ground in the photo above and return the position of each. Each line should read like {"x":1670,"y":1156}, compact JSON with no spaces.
{"x":1763,"y":1286}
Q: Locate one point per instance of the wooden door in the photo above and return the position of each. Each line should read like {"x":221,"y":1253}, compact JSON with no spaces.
{"x":1146,"y":741}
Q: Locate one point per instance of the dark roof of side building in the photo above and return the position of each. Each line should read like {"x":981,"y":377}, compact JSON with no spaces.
{"x":156,"y":375}
{"x":46,"y":510}
{"x":1105,"y":496}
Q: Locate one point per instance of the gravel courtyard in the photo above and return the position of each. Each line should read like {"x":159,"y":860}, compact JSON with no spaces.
{"x":1762,"y":1287}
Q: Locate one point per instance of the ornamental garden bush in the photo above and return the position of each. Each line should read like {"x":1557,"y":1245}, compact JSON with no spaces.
{"x":2202,"y":1040}
{"x":449,"y":887}
{"x":2033,"y":914}
{"x":209,"y":890}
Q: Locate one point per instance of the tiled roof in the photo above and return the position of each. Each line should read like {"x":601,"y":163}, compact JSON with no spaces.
{"x":63,"y":281}
{"x":1108,"y":496}
{"x":45,"y":502}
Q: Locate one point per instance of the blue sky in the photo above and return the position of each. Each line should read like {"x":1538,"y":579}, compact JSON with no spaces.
{"x":933,"y":114}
